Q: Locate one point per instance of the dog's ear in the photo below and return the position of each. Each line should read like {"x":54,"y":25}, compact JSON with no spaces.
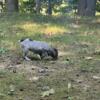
{"x":21,"y":40}
{"x":30,"y":39}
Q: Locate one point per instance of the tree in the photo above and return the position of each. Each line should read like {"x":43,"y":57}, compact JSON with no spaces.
{"x":87,"y":7}
{"x":49,"y":10}
{"x":12,"y":5}
{"x":38,"y":5}
{"x":1,"y":6}
{"x":51,"y":4}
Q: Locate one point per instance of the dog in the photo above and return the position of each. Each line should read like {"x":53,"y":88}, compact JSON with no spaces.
{"x":41,"y":48}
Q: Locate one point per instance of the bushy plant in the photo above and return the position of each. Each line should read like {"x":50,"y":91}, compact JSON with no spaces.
{"x":27,"y":5}
{"x":3,"y":50}
{"x":98,"y":6}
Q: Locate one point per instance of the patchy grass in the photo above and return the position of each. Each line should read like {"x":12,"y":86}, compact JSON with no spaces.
{"x":78,"y":42}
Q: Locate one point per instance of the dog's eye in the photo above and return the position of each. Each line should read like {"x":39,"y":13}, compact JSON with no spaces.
{"x":21,"y":40}
{"x":30,"y":39}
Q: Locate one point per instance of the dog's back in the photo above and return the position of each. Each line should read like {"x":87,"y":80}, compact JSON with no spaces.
{"x":36,"y":45}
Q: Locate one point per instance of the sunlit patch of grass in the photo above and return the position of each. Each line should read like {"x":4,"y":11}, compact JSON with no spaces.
{"x":34,"y":28}
{"x":54,"y":30}
{"x":97,"y":13}
{"x":31,"y":27}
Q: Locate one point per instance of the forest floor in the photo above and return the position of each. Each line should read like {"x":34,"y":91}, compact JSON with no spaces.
{"x":74,"y":76}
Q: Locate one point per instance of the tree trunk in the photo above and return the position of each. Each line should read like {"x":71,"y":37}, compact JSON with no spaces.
{"x":38,"y":6}
{"x":12,"y":5}
{"x":1,"y":6}
{"x":87,"y":7}
{"x":49,"y":8}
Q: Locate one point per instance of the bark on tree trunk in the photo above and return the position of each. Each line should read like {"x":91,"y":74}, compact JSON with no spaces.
{"x":49,"y":8}
{"x":87,"y":7}
{"x":38,"y":6}
{"x":12,"y":5}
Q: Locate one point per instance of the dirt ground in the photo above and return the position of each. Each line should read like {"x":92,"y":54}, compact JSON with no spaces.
{"x":74,"y":76}
{"x":72,"y":68}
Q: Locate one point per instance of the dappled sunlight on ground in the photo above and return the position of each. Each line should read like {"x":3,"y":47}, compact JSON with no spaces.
{"x":54,"y":30}
{"x":32,"y":28}
{"x":73,"y":25}
{"x":67,"y":53}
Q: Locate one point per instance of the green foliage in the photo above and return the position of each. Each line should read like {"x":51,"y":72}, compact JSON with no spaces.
{"x":3,"y":50}
{"x":73,"y":3}
{"x":27,"y":6}
{"x":54,"y":1}
{"x":69,"y":98}
{"x":54,"y":4}
{"x":98,"y":6}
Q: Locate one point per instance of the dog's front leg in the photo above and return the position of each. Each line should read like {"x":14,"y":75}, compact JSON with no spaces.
{"x":25,"y":53}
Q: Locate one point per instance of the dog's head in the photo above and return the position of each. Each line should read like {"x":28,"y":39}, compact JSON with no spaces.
{"x":55,"y":53}
{"x":24,"y":39}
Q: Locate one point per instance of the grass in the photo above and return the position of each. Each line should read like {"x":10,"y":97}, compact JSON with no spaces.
{"x":78,"y":43}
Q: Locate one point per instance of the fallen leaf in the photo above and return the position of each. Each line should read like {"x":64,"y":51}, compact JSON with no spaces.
{"x":48,"y":93}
